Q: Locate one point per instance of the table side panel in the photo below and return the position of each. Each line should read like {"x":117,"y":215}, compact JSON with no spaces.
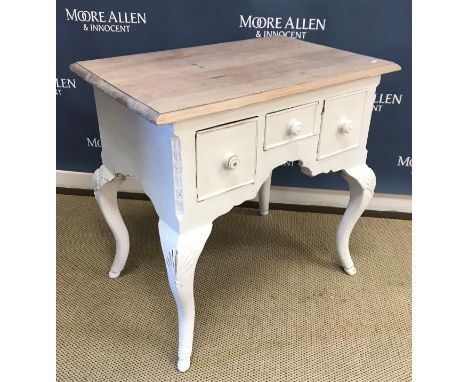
{"x":132,"y":146}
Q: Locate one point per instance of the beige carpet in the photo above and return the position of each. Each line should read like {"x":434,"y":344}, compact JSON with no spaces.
{"x":272,"y":302}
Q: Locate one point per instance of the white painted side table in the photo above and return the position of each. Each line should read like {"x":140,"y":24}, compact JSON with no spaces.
{"x":202,"y":129}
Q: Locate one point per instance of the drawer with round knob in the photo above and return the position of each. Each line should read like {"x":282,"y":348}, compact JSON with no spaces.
{"x":285,"y":126}
{"x":226,"y":157}
{"x":342,"y":119}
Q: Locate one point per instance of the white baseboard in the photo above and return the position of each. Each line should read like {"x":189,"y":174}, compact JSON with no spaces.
{"x":285,"y":195}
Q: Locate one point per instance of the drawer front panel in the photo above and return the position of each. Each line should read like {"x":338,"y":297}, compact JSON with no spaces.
{"x":289,"y":125}
{"x":226,"y":157}
{"x":341,"y":123}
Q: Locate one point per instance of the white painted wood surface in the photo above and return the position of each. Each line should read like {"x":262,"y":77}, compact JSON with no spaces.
{"x":264,"y":197}
{"x":226,"y":157}
{"x":285,"y":126}
{"x":181,"y":253}
{"x":106,"y":185}
{"x":361,"y":181}
{"x":342,"y":121}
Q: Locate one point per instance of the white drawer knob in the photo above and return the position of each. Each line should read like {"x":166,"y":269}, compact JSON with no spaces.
{"x":346,"y":125}
{"x":231,"y":161}
{"x":294,"y":127}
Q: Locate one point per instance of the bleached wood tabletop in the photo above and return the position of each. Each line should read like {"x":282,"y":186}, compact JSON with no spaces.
{"x":177,"y":84}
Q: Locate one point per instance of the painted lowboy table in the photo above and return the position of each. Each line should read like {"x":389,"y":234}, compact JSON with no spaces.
{"x":202,"y":128}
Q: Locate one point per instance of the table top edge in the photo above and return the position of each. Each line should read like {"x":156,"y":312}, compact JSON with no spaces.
{"x":166,"y":117}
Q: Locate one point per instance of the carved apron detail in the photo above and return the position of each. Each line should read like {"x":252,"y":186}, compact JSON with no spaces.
{"x":177,"y":168}
{"x":101,"y":176}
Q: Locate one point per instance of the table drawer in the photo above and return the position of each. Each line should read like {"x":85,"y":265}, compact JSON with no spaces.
{"x":342,"y":120}
{"x":284,"y":126}
{"x":226,"y":157}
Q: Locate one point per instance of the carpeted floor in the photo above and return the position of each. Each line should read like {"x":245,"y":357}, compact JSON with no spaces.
{"x":272,"y":302}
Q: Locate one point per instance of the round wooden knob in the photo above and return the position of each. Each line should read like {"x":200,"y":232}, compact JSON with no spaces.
{"x":346,"y":126}
{"x":294,"y":127}
{"x":231,"y":162}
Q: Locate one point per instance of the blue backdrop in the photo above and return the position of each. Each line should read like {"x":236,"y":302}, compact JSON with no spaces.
{"x":95,"y":29}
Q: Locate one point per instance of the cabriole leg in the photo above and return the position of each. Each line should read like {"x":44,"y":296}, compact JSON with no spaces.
{"x":264,"y":197}
{"x":361,"y":180}
{"x":106,"y":185}
{"x":181,"y":252}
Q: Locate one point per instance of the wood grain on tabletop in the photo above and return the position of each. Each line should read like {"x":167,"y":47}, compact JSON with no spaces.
{"x":173,"y":85}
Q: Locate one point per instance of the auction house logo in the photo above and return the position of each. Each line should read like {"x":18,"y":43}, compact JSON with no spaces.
{"x":94,"y":142}
{"x":277,"y":26}
{"x":64,"y":83}
{"x":405,"y":162}
{"x":100,"y":21}
{"x":386,"y":99}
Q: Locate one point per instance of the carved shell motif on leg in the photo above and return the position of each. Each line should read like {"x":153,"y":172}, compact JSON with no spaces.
{"x":177,"y":265}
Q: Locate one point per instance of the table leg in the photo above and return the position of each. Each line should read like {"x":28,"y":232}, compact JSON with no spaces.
{"x":361,"y":180}
{"x":106,"y":185}
{"x":181,"y":252}
{"x":264,"y":197}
